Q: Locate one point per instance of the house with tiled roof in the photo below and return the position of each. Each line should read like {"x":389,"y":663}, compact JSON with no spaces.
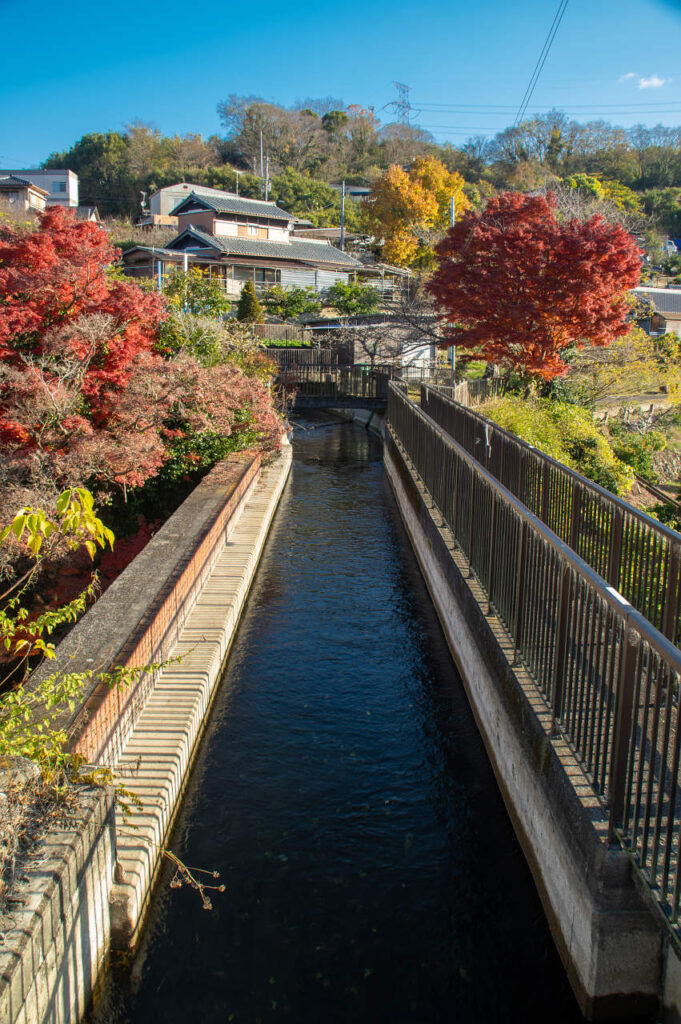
{"x":662,"y":309}
{"x":60,"y":186}
{"x":22,"y":194}
{"x":236,"y":239}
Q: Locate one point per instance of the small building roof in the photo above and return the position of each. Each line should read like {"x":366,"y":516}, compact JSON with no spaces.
{"x":234,"y":204}
{"x":307,"y":251}
{"x":666,"y":301}
{"x":11,"y":181}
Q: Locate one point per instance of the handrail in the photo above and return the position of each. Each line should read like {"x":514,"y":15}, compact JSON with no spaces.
{"x":611,"y":680}
{"x":635,"y":553}
{"x":329,"y":381}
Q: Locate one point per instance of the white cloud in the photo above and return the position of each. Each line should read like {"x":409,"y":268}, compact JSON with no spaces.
{"x":654,"y":82}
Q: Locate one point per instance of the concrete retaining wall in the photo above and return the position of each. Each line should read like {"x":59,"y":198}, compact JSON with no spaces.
{"x":88,"y":888}
{"x":608,"y":938}
{"x":160,"y":748}
{"x":56,"y":933}
{"x":139,"y":618}
{"x":372,"y":419}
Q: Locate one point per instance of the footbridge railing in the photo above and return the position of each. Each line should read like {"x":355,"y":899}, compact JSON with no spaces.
{"x":634,"y":553}
{"x":324,"y":381}
{"x":609,"y":677}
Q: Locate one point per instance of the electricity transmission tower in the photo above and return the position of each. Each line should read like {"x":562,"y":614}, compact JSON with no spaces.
{"x":402,"y":105}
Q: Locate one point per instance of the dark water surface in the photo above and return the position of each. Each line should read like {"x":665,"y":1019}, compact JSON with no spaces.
{"x":344,"y":795}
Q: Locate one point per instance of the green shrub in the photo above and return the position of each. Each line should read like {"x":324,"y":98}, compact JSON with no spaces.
{"x":567,"y":433}
{"x":636,"y":449}
{"x":668,"y":513}
{"x":289,"y":303}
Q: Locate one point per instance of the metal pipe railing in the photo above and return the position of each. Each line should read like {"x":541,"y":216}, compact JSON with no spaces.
{"x":323,"y":381}
{"x":636,"y":554}
{"x":609,"y":677}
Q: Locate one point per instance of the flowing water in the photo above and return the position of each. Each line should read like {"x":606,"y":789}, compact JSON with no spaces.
{"x":344,"y":794}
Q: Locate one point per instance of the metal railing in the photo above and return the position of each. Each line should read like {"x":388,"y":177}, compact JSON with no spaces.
{"x":637,"y":555}
{"x":610,"y":679}
{"x":323,"y":381}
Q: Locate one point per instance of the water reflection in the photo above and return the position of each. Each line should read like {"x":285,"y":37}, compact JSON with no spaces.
{"x":344,"y":795}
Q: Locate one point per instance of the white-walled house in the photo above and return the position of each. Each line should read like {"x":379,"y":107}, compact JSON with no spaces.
{"x":61,"y":186}
{"x":22,"y":194}
{"x":236,"y":240}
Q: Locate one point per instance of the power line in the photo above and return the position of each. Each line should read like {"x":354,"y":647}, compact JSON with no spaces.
{"x":541,"y":61}
{"x":502,"y":107}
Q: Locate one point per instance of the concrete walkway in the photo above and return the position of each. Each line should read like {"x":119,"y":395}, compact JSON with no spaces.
{"x":156,"y":759}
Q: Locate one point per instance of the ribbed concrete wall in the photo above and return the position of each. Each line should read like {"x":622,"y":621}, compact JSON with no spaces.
{"x":181,"y":597}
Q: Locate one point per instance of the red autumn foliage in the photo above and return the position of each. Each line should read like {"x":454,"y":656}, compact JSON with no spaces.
{"x":520,"y":286}
{"x":85,"y":400}
{"x":52,"y":277}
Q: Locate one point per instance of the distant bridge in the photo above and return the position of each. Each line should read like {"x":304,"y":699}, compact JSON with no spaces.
{"x":320,"y":386}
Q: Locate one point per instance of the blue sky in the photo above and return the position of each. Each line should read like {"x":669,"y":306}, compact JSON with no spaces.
{"x":81,"y":67}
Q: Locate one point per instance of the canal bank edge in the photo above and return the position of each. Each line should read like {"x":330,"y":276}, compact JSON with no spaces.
{"x":612,"y":945}
{"x":70,"y":910}
{"x":160,"y":749}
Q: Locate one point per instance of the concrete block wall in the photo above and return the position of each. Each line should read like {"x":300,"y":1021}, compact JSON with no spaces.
{"x":56,"y":934}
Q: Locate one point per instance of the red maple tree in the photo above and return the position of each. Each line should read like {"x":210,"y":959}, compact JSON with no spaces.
{"x":520,"y":286}
{"x":85,"y":398}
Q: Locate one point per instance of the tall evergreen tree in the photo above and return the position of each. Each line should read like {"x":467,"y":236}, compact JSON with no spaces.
{"x":249,"y":309}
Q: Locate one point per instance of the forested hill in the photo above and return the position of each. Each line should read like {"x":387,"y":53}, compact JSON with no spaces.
{"x":324,"y":141}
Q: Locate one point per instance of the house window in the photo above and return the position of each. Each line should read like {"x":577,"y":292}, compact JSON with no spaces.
{"x":266,"y":277}
{"x":59,"y":186}
{"x":252,"y":230}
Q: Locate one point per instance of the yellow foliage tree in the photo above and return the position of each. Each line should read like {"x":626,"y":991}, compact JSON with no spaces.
{"x":410,"y":209}
{"x":635,"y":364}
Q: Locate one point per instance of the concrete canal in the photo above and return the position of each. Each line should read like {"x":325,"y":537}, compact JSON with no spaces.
{"x":344,"y":795}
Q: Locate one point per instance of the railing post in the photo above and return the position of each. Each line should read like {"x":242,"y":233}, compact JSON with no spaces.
{"x":560,"y":646}
{"x":671,"y":595}
{"x":615,"y":552}
{"x":576,"y":515}
{"x":624,"y":709}
{"x":470,"y":524}
{"x":520,"y":576}
{"x":492,"y":552}
{"x":545,"y":493}
{"x":520,"y":493}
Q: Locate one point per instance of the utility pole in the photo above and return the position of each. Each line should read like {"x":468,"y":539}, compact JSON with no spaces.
{"x":267,"y":177}
{"x":342,"y":237}
{"x":237,"y":173}
{"x":261,"y":160}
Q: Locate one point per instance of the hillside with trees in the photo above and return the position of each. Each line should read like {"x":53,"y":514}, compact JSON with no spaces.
{"x":324,"y":141}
